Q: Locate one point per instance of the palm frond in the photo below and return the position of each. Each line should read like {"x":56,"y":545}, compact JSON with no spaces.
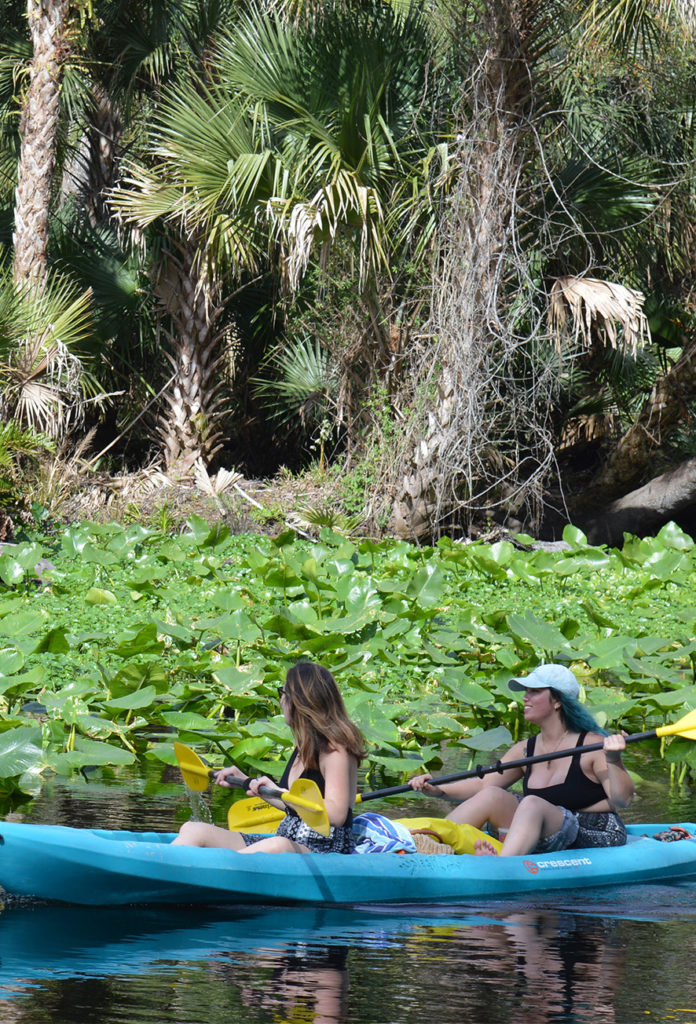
{"x":303,"y":381}
{"x":605,"y":305}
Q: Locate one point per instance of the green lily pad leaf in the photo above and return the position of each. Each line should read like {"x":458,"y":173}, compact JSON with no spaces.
{"x":537,"y":632}
{"x":285,"y":626}
{"x":89,"y":752}
{"x":426,"y":587}
{"x":135,"y":675}
{"x":206,"y":536}
{"x":252,"y":746}
{"x":283,"y":576}
{"x":174,"y":630}
{"x":54,"y":642}
{"x":466,"y":690}
{"x":142,"y":698}
{"x":673,"y":536}
{"x":187,"y":721}
{"x":237,"y":680}
{"x":22,"y":623}
{"x":610,"y":652}
{"x":11,"y":661}
{"x":575,"y":537}
{"x":11,"y":572}
{"x":19,"y":684}
{"x":95,"y":595}
{"x":664,"y":564}
{"x":598,"y":615}
{"x":172,"y":551}
{"x":100,"y":556}
{"x":304,"y":611}
{"x":141,"y":641}
{"x":398,"y":765}
{"x":229,"y":600}
{"x":492,"y":739}
{"x":285,"y":539}
{"x":684,"y":698}
{"x":20,"y":751}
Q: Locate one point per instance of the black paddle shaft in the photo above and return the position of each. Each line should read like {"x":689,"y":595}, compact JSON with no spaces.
{"x":502,"y":766}
{"x":234,"y":782}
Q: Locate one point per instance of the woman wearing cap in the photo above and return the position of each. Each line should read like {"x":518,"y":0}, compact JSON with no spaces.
{"x":567,"y":802}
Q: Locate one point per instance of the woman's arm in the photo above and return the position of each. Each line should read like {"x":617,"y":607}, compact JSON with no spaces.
{"x":465,"y":788}
{"x":340,"y":771}
{"x":611,"y":773}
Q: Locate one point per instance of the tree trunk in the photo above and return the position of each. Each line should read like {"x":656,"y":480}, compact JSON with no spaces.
{"x":646,"y":509}
{"x":629,"y":462}
{"x":190,"y":430}
{"x":454,"y":463}
{"x":47,"y":24}
{"x":104,"y":136}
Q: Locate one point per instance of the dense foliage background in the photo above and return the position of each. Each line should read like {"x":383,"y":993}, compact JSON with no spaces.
{"x":438,"y":254}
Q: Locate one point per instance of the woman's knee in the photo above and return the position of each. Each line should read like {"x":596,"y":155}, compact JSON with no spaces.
{"x":192,"y":833}
{"x":539,"y":810}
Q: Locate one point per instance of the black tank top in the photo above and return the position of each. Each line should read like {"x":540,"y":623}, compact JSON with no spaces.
{"x":575,"y":792}
{"x":309,"y":773}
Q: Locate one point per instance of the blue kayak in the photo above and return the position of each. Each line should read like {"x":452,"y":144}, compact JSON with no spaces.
{"x":100,"y":867}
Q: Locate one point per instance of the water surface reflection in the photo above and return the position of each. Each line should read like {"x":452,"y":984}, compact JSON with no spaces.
{"x":508,"y":965}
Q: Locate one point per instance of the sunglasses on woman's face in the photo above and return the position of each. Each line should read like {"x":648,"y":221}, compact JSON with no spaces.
{"x":281,"y":691}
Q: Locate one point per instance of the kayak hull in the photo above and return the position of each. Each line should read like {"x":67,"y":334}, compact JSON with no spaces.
{"x":100,"y":867}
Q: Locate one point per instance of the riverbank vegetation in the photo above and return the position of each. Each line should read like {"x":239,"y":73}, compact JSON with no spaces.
{"x":116,"y":640}
{"x":440,"y":255}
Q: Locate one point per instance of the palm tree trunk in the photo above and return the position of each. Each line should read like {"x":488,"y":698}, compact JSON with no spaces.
{"x":47,"y":24}
{"x":190,"y":429}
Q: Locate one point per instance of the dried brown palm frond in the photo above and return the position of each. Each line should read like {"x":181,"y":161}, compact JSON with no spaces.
{"x":599,"y":304}
{"x":223,"y":480}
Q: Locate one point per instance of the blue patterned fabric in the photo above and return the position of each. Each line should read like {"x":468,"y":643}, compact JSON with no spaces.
{"x":377,"y":834}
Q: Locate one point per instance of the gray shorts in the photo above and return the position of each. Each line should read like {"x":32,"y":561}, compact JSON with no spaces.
{"x":584,"y":829}
{"x":564,"y":838}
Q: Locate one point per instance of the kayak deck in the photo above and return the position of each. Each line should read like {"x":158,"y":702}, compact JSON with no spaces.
{"x":104,"y":867}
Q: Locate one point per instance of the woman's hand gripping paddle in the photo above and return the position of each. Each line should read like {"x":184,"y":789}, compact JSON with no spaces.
{"x":303,"y":796}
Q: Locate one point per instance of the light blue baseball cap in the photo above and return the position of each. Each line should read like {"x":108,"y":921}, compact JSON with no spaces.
{"x":555,"y":677}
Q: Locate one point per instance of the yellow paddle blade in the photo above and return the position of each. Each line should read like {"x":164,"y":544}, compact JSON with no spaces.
{"x":253,"y":815}
{"x":685,"y":727}
{"x":305,"y":796}
{"x":196,"y":773}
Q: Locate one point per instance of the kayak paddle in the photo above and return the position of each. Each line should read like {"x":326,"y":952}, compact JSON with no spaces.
{"x":304,"y":795}
{"x":685,"y":727}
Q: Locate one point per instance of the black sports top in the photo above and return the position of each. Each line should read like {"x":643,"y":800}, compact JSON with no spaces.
{"x":576,"y":791}
{"x":309,"y":773}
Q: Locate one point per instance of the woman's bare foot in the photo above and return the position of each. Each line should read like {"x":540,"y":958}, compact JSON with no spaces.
{"x":483,"y":847}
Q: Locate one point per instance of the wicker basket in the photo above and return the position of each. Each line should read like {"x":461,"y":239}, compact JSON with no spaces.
{"x":425,"y":843}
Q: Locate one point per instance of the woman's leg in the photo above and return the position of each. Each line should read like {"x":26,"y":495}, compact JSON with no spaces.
{"x":534,"y":819}
{"x":275,"y":844}
{"x":491,"y":804}
{"x":200,"y":833}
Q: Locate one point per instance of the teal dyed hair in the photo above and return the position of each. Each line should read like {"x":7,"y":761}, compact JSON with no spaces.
{"x":576,"y":717}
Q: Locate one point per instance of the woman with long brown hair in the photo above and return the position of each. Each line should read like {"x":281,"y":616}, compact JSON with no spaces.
{"x":328,"y":750}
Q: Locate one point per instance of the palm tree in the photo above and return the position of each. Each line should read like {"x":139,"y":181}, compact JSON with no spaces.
{"x":303,"y":133}
{"x":48,"y":23}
